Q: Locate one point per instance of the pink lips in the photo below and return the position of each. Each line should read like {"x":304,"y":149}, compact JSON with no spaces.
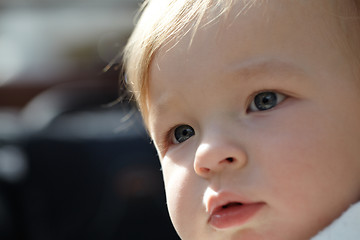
{"x":227,"y":210}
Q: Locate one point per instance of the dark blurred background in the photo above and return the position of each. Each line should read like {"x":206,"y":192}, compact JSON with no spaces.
{"x":75,"y":163}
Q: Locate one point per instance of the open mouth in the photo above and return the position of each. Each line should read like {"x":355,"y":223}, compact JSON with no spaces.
{"x":233,"y":204}
{"x":233,"y":214}
{"x":228,"y":207}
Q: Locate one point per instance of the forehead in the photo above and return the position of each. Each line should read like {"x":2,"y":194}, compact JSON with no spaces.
{"x":287,"y":31}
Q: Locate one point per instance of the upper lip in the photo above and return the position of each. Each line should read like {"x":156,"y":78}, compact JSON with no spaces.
{"x":217,"y":201}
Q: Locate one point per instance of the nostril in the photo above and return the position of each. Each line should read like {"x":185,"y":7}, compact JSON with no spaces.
{"x":230,"y":159}
{"x":204,"y":170}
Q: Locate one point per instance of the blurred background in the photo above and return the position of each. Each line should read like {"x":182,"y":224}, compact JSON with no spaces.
{"x":74,"y":162}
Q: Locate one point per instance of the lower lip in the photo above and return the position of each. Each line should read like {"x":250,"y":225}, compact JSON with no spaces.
{"x":234,"y":216}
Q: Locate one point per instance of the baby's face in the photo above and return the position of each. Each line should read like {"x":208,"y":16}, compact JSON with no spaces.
{"x":257,"y":125}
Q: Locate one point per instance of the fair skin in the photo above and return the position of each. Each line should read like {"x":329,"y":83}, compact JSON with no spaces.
{"x":293,"y":162}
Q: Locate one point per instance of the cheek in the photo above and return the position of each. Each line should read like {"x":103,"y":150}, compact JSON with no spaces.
{"x":184,"y":193}
{"x":310,"y":165}
{"x":307,"y":140}
{"x":292,"y":160}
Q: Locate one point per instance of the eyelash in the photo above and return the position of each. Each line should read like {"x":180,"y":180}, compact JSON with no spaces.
{"x":277,"y":96}
{"x":168,"y":138}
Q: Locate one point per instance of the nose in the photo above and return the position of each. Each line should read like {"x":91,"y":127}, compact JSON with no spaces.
{"x":216,"y":154}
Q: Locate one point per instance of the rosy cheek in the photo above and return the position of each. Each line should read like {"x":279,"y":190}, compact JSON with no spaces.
{"x":176,"y":197}
{"x":183,"y":192}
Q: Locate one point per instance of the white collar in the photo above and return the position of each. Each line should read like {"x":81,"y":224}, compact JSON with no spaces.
{"x":345,"y":227}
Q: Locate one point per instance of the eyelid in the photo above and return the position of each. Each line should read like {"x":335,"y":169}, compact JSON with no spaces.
{"x":185,"y":129}
{"x":166,"y":139}
{"x":170,"y":134}
{"x":251,"y":98}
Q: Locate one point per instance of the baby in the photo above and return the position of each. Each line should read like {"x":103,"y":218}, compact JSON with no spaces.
{"x":253,"y":106}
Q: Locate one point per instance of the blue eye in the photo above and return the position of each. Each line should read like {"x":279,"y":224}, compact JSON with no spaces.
{"x":183,"y":133}
{"x":265,"y":100}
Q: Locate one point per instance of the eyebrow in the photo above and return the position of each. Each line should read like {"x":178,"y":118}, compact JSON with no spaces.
{"x":250,"y":69}
{"x":247,"y":70}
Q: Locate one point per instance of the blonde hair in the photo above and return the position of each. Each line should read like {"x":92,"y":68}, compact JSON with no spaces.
{"x":162,"y":21}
